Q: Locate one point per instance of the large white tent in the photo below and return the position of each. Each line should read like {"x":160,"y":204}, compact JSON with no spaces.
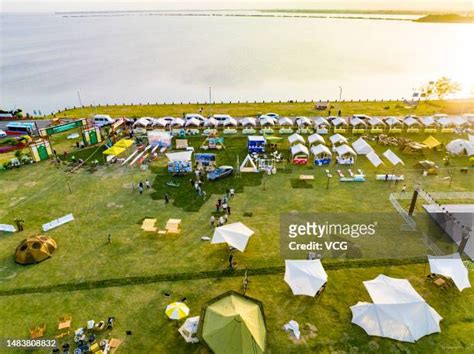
{"x":305,"y":277}
{"x":460,"y":147}
{"x":295,"y":138}
{"x":267,"y":121}
{"x":338,"y":121}
{"x":179,"y":156}
{"x":374,"y":158}
{"x":361,"y":147}
{"x":394,"y":159}
{"x":343,"y":150}
{"x":451,"y":266}
{"x":337,"y":139}
{"x":315,"y":138}
{"x":397,"y":311}
{"x":235,"y":235}
{"x":299,"y":149}
{"x":193,"y":122}
{"x":320,"y":121}
{"x":303,"y":121}
{"x":211,"y":122}
{"x":143,"y":122}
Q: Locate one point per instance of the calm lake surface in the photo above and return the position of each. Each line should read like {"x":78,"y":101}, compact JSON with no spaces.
{"x":45,"y":59}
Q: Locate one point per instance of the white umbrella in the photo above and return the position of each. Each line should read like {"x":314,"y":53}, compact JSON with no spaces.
{"x":189,"y":329}
{"x":305,"y":277}
{"x":236,"y":235}
{"x":451,"y":266}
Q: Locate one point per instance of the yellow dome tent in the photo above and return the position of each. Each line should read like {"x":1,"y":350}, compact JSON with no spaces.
{"x":35,"y":249}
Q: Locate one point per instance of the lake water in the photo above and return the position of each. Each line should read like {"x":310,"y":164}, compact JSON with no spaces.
{"x":46,"y":59}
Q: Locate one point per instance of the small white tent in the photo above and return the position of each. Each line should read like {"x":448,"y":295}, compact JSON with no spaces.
{"x":235,"y":235}
{"x":356,"y":122}
{"x":394,"y":159}
{"x":411,"y":120}
{"x":295,"y":138}
{"x":344,"y":151}
{"x":338,"y":121}
{"x":179,"y":156}
{"x":285,"y":121}
{"x":361,"y":147}
{"x":143,"y":122}
{"x":337,"y":139}
{"x":321,"y":151}
{"x":315,"y":138}
{"x":393,"y":121}
{"x":299,"y":149}
{"x":374,"y":122}
{"x":460,"y":147}
{"x":303,"y":121}
{"x":267,"y":121}
{"x":451,"y":266}
{"x":189,"y":329}
{"x":230,"y":122}
{"x":428,"y":122}
{"x":397,"y":311}
{"x":194,"y":122}
{"x":177,"y":122}
{"x":248,"y":121}
{"x":211,"y":122}
{"x":321,"y":121}
{"x":305,"y":277}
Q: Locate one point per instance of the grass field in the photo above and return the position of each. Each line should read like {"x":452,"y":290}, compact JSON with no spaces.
{"x":142,"y":267}
{"x":241,"y":109}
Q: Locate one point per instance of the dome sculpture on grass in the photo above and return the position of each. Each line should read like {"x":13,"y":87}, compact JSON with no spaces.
{"x":35,"y":249}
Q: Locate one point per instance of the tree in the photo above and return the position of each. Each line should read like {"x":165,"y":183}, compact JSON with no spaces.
{"x":440,"y":88}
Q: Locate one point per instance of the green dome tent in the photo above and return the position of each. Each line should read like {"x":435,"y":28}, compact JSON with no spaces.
{"x":232,"y":324}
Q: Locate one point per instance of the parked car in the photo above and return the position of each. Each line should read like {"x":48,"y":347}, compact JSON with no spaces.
{"x":220,"y":172}
{"x":101,"y":120}
{"x":3,"y":134}
{"x":273,"y":115}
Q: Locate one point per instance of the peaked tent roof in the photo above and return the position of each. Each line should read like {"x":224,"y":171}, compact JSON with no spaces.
{"x":374,"y":158}
{"x":320,"y":121}
{"x":236,"y":235}
{"x":233,"y":323}
{"x":431,"y":142}
{"x":460,"y":146}
{"x":248,"y":121}
{"x":387,"y":290}
{"x":193,"y":122}
{"x":248,"y":165}
{"x":427,"y":121}
{"x":337,"y":138}
{"x":409,"y":121}
{"x":179,"y":156}
{"x":285,"y":121}
{"x":299,"y":149}
{"x":319,"y":149}
{"x":230,"y":121}
{"x":211,"y":122}
{"x":355,"y":121}
{"x":296,"y":138}
{"x":391,"y":121}
{"x":394,"y":159}
{"x":267,"y":120}
{"x":305,"y":277}
{"x":303,"y":121}
{"x":451,"y":266}
{"x":376,"y":121}
{"x":362,"y":147}
{"x":344,"y":149}
{"x":338,"y":121}
{"x":178,"y":121}
{"x":316,"y":138}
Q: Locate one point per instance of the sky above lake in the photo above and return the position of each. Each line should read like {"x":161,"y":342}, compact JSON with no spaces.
{"x":120,"y":5}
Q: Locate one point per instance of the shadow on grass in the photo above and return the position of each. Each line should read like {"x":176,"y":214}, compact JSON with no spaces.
{"x":298,"y":183}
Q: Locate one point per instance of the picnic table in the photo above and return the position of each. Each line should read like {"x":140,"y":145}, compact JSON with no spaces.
{"x":173,"y":226}
{"x":440,"y":282}
{"x":307,"y":177}
{"x":149,"y":225}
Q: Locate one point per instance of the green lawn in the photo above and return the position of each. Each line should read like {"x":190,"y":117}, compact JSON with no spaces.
{"x":291,"y":109}
{"x":104,"y":202}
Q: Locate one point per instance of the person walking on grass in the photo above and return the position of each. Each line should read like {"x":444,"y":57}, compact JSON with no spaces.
{"x":167,"y":198}
{"x":147,"y":184}
{"x":213,"y":220}
{"x":19,"y":224}
{"x":404,"y":189}
{"x":228,"y":209}
{"x":231,"y":261}
{"x":109,"y":239}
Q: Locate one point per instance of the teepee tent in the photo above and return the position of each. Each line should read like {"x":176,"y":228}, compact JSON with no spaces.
{"x":35,"y":249}
{"x":233,"y":323}
{"x":235,"y":235}
{"x":248,"y":165}
{"x":451,"y":266}
{"x":397,"y":311}
{"x":305,"y":277}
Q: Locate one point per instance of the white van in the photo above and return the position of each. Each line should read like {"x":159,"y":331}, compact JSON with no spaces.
{"x":221,"y":118}
{"x":102,"y":120}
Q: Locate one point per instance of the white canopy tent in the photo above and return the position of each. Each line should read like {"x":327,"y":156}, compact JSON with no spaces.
{"x":305,"y":277}
{"x":445,"y":122}
{"x":285,"y":121}
{"x":235,"y":235}
{"x":189,"y":329}
{"x":397,"y":311}
{"x":428,"y":121}
{"x":299,"y":149}
{"x":374,"y":121}
{"x":321,"y":121}
{"x":460,"y":147}
{"x":320,"y":149}
{"x":267,"y":121}
{"x":459,"y":121}
{"x":411,"y":120}
{"x":394,"y":159}
{"x":295,"y":138}
{"x":392,"y":121}
{"x":374,"y":159}
{"x":344,"y":150}
{"x":179,"y":156}
{"x":159,"y":122}
{"x":211,"y":122}
{"x":248,"y":121}
{"x":230,"y":121}
{"x":194,"y":122}
{"x":355,"y":122}
{"x":451,"y":266}
{"x":143,"y":122}
{"x":315,"y":138}
{"x":165,"y":121}
{"x":178,"y":122}
{"x":338,"y":121}
{"x":337,"y":139}
{"x":362,"y":147}
{"x":303,"y":121}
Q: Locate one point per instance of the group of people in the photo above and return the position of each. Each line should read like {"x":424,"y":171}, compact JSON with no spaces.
{"x":142,"y":185}
{"x":222,"y":206}
{"x":198,"y":182}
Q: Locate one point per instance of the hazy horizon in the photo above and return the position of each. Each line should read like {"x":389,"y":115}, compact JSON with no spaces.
{"x":17,"y":6}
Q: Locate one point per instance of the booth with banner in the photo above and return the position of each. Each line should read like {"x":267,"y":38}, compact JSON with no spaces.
{"x":40,"y":150}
